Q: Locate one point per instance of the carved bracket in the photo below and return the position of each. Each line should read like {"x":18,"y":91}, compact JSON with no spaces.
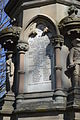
{"x":22,"y":46}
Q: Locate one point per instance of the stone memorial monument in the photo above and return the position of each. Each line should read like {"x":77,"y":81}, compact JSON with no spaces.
{"x":42,"y":60}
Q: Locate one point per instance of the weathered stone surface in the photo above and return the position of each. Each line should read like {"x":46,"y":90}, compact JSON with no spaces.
{"x":14,"y":30}
{"x":39,"y":106}
{"x":56,"y":117}
{"x":66,"y":82}
{"x":38,"y":62}
{"x":70,"y":24}
{"x":38,"y":103}
{"x":33,"y":4}
{"x":8,"y":106}
{"x":9,"y":37}
{"x":39,"y":67}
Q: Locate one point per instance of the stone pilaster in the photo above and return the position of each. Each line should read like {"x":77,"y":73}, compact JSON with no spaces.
{"x":22,"y":48}
{"x":59,"y":94}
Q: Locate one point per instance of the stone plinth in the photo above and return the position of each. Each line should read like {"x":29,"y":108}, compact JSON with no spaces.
{"x":8,"y":106}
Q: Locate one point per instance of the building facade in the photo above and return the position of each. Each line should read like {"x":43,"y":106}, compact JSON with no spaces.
{"x":42,"y":60}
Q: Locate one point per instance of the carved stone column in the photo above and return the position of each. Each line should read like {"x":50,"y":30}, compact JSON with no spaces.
{"x":57,"y":43}
{"x":58,"y":67}
{"x":22,"y":48}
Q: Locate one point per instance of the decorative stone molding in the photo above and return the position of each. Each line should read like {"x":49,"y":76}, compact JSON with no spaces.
{"x":21,"y":5}
{"x":14,"y":30}
{"x":39,"y":26}
{"x":22,"y":46}
{"x":9,"y":37}
{"x":72,"y":10}
{"x":57,"y":39}
{"x":71,"y":23}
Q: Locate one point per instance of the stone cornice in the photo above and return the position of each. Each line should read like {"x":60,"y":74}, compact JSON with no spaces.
{"x":25,"y":4}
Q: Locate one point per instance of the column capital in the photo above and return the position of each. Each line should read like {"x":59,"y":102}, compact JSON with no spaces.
{"x":22,"y":46}
{"x":58,"y":39}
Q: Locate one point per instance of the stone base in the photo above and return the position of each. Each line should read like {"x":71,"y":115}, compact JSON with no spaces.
{"x":8,"y":106}
{"x":74,"y":98}
{"x":43,"y":101}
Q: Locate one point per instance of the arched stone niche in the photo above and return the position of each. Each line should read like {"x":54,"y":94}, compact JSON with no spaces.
{"x":39,"y":59}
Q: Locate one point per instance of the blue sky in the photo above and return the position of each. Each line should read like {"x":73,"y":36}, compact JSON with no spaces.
{"x":4,"y":18}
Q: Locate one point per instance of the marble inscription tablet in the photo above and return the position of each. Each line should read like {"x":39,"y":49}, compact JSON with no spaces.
{"x":38,"y":65}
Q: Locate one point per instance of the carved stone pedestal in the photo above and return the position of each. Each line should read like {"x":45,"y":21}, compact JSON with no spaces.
{"x":8,"y":106}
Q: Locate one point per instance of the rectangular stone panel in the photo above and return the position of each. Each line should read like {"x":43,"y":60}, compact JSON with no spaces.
{"x":38,"y":65}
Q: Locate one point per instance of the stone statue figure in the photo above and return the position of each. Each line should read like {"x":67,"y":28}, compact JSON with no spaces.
{"x":10,"y":72}
{"x":74,"y":59}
